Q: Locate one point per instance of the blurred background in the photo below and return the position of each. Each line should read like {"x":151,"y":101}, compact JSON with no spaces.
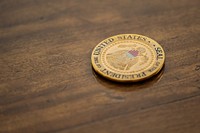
{"x":47,"y":83}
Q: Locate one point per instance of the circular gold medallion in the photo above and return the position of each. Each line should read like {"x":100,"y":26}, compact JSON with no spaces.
{"x":128,"y":58}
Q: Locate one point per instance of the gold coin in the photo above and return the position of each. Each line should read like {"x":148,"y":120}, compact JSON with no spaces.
{"x":128,"y":58}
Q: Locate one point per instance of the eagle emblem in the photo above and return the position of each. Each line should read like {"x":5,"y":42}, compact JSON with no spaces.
{"x":124,"y":59}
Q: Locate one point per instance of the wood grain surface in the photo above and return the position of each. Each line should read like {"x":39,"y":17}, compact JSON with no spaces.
{"x":47,"y":83}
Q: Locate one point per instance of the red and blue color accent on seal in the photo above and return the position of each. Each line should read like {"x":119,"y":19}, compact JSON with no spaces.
{"x":132,"y":53}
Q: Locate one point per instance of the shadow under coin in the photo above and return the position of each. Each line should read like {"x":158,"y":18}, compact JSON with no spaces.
{"x":127,"y":87}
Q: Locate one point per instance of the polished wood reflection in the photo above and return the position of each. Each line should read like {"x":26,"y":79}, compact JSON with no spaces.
{"x":47,"y":83}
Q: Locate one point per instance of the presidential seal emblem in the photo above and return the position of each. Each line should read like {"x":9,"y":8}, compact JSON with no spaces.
{"x":128,"y":58}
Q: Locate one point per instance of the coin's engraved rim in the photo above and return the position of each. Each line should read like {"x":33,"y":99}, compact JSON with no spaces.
{"x":148,"y":75}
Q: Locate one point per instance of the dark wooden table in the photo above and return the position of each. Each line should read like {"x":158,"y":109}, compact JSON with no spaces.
{"x":47,"y":83}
